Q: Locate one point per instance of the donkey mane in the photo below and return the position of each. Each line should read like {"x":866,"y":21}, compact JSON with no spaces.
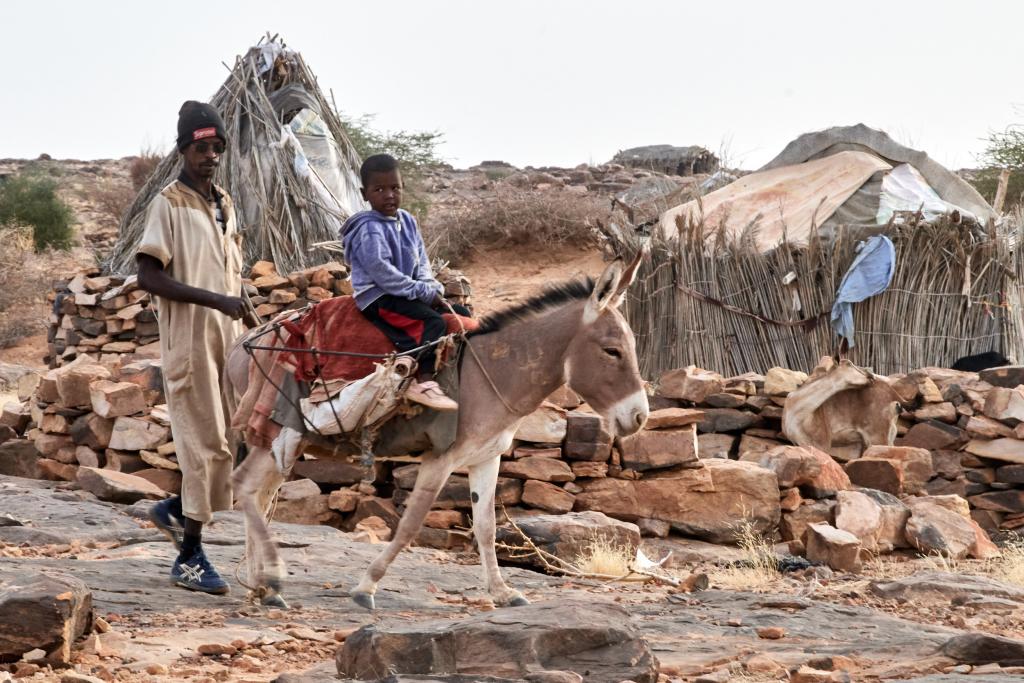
{"x":553,"y":296}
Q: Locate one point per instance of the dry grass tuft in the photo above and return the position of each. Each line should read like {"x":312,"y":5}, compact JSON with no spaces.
{"x":113,"y":198}
{"x":1009,"y":568}
{"x":513,"y":217}
{"x":941,"y":562}
{"x":759,"y":568}
{"x":143,"y":166}
{"x":603,"y":557}
{"x":23,"y":282}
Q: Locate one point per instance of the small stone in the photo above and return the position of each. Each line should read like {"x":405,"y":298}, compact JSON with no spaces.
{"x":782,"y":381}
{"x":771,"y":632}
{"x":215,"y":649}
{"x":839,"y":549}
{"x":690,"y":384}
{"x":673,"y":417}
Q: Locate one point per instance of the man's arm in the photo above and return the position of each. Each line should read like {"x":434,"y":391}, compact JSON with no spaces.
{"x":155,"y":280}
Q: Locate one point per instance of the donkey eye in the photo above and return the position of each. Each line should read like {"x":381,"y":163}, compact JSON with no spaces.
{"x":613,"y":352}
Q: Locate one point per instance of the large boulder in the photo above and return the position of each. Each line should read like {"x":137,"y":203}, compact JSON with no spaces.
{"x":544,"y":425}
{"x":117,"y":487}
{"x":541,"y":469}
{"x":814,"y":471}
{"x":42,"y":611}
{"x":75,"y":379}
{"x":934,"y":528}
{"x":569,"y":536}
{"x":879,"y":474}
{"x":653,"y":449}
{"x":984,"y":648}
{"x":834,"y":547}
{"x":707,"y":503}
{"x":549,"y":497}
{"x":598,"y":641}
{"x":782,"y":381}
{"x":19,"y":458}
{"x":878,"y":519}
{"x":136,"y":434}
{"x":1006,"y":405}
{"x":690,"y":384}
{"x":794,"y":524}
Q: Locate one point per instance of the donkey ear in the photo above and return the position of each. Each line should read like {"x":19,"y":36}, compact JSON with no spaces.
{"x":604,"y":292}
{"x":628,"y":277}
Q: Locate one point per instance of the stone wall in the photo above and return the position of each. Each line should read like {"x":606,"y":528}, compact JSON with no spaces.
{"x":710,"y":461}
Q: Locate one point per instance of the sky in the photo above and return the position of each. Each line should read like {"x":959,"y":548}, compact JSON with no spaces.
{"x":531,"y":83}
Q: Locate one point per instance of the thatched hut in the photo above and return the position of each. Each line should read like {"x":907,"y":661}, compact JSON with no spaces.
{"x":289,"y":165}
{"x":744,"y":279}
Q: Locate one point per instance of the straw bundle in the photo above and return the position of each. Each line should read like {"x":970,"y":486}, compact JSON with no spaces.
{"x":955,"y":292}
{"x":289,"y":165}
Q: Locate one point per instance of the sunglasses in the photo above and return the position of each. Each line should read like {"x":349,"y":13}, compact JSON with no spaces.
{"x":204,"y":147}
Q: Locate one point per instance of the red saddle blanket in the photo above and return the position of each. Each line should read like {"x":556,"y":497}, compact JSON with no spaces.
{"x":338,"y":325}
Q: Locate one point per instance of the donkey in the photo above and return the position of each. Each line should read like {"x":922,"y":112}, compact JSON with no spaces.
{"x":572,"y":334}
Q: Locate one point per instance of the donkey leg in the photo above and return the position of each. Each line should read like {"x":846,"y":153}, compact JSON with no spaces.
{"x":256,"y":482}
{"x":483,"y":479}
{"x":432,"y":476}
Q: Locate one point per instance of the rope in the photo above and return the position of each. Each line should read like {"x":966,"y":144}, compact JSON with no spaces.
{"x":465,"y":340}
{"x":808,"y":324}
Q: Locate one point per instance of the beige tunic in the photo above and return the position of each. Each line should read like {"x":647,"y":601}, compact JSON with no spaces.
{"x":182,"y":233}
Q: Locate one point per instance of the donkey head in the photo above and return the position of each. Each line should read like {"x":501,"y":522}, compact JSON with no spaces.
{"x":601,"y":363}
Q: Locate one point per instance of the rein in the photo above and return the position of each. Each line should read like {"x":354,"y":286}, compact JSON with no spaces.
{"x":479,"y":363}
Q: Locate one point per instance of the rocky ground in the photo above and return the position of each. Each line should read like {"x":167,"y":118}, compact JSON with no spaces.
{"x":928,"y":625}
{"x":901,"y":618}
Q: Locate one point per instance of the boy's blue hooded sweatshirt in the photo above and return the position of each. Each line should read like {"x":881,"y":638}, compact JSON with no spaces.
{"x":387,"y":256}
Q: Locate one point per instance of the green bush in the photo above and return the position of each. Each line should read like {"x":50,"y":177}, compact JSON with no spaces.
{"x":986,"y":181}
{"x":415,"y":150}
{"x":1006,"y":149}
{"x":31,"y":200}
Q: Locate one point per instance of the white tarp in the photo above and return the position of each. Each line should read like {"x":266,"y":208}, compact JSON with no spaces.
{"x":323,"y":154}
{"x":905,"y":189}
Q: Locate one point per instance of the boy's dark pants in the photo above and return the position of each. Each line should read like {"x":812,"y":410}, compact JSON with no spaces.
{"x":409,"y":324}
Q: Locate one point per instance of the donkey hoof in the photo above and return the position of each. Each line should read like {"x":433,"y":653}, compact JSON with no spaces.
{"x":274,"y":600}
{"x":518,"y":601}
{"x":364,"y":600}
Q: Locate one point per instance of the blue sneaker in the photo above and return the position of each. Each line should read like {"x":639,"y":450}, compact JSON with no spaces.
{"x":197,"y":574}
{"x":168,"y":518}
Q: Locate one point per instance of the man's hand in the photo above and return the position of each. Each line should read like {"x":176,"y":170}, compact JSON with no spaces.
{"x":231,"y":306}
{"x":155,"y":280}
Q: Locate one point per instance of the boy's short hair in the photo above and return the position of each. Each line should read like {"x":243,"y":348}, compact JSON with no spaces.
{"x":377,"y":163}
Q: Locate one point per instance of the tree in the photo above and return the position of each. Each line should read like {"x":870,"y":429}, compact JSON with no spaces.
{"x":416,"y":150}
{"x":1006,"y":149}
{"x":31,"y":200}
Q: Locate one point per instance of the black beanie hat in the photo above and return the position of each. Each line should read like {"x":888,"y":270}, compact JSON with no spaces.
{"x":196,"y":121}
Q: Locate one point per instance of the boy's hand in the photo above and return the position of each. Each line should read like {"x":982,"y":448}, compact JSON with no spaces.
{"x":231,"y":306}
{"x":439,"y":302}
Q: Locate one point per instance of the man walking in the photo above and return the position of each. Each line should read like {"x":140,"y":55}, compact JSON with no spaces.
{"x":190,"y":260}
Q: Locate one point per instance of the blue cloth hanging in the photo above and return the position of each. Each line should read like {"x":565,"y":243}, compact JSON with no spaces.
{"x":869,"y":274}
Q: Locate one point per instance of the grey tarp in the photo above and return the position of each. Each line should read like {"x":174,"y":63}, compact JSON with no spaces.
{"x":949,"y":186}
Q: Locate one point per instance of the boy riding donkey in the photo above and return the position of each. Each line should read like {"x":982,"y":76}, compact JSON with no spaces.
{"x":391,"y":276}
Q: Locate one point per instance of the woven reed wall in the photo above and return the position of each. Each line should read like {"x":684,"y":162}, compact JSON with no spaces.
{"x":956,"y":291}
